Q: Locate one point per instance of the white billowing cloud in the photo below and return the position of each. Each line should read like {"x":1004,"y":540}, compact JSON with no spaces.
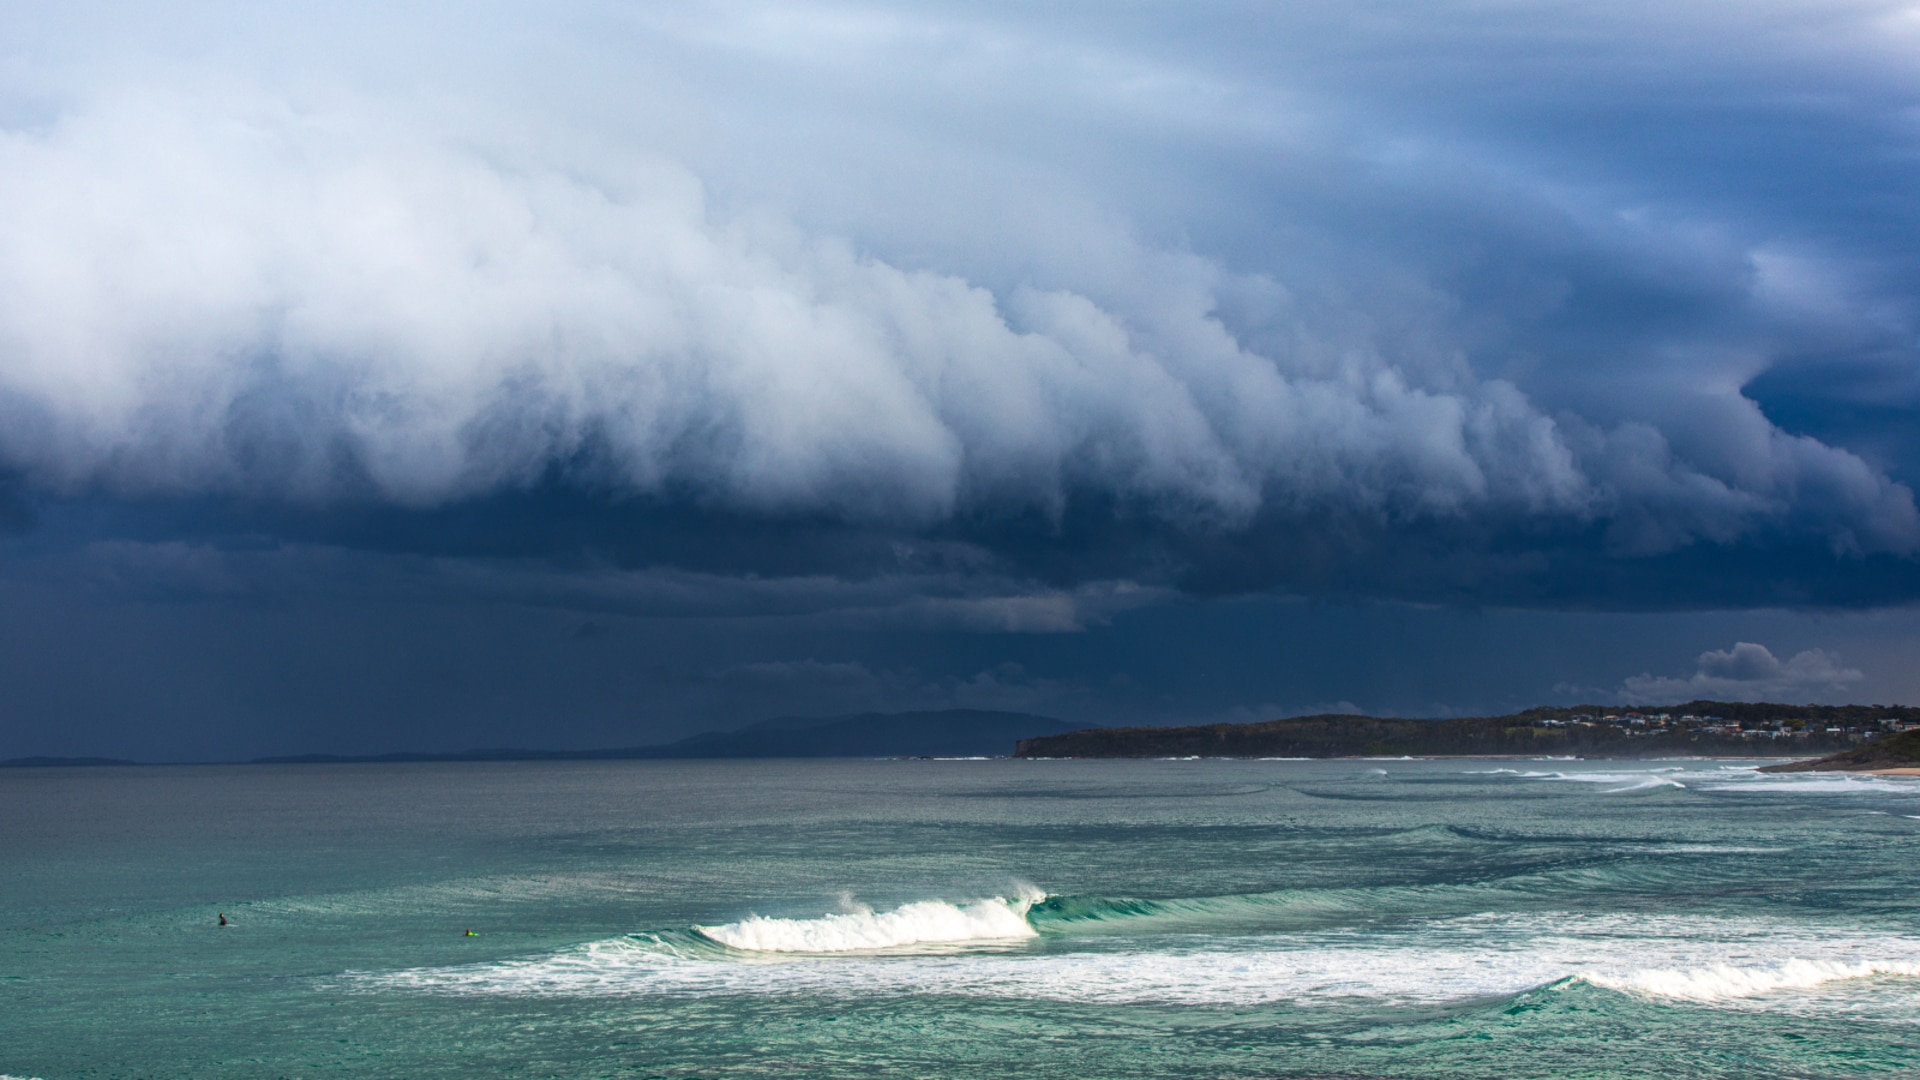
{"x":232,"y":293}
{"x":1750,"y":672}
{"x":893,"y":263}
{"x":226,"y":299}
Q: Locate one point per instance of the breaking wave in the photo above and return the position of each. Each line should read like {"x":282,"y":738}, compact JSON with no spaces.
{"x":924,"y":922}
{"x":1726,"y":778}
{"x":1638,"y":780}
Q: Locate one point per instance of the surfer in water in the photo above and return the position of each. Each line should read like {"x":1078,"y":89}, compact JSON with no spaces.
{"x":223,"y":918}
{"x":472,"y":934}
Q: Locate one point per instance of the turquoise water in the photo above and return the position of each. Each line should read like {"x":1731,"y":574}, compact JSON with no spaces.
{"x":959,"y":918}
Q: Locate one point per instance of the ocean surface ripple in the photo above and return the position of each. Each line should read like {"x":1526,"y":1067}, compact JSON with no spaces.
{"x":1189,"y":919}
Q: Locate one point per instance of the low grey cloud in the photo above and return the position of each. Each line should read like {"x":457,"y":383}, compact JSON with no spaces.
{"x":1751,"y":672}
{"x":291,"y":575}
{"x":1253,"y":714}
{"x":589,"y":631}
{"x":817,"y":686}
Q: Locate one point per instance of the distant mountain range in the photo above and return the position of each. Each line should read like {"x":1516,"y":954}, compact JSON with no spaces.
{"x":60,"y":762}
{"x":949,"y":733}
{"x":946,"y":733}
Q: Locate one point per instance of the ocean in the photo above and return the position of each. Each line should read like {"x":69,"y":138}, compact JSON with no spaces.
{"x":1336,"y":919}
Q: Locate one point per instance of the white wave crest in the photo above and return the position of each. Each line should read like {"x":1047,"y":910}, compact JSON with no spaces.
{"x":927,"y":921}
{"x":1705,"y":849}
{"x":1628,"y":781}
{"x":1721,"y":982}
{"x":1815,"y":784}
{"x":1734,"y":778}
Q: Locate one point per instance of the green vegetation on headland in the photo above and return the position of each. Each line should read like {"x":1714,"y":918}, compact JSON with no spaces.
{"x":1702,"y":728}
{"x":1900,"y":751}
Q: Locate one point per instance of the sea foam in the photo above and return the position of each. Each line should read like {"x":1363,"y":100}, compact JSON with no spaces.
{"x":1638,"y":780}
{"x":1727,"y":778}
{"x":1723,"y":982}
{"x":923,"y":922}
{"x":1725,"y":963}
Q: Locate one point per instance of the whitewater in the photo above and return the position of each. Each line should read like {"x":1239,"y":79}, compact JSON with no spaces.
{"x":1396,"y":918}
{"x":861,"y":928}
{"x":1724,"y":962}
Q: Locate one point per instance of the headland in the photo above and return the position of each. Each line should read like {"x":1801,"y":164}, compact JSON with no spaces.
{"x":1693,"y":729}
{"x":1895,"y":755}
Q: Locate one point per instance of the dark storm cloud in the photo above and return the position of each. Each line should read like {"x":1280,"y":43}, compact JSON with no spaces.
{"x":557,"y":547}
{"x":980,"y":310}
{"x":916,"y":587}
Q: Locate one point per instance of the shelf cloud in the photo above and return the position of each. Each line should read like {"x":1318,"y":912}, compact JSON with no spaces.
{"x":963,"y":324}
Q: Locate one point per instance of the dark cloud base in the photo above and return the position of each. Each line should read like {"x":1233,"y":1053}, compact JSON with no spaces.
{"x":566,"y":528}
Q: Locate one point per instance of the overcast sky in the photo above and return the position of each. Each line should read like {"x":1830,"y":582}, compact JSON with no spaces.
{"x":426,"y":376}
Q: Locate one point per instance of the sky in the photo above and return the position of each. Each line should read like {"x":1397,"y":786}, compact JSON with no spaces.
{"x":422,"y":376}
